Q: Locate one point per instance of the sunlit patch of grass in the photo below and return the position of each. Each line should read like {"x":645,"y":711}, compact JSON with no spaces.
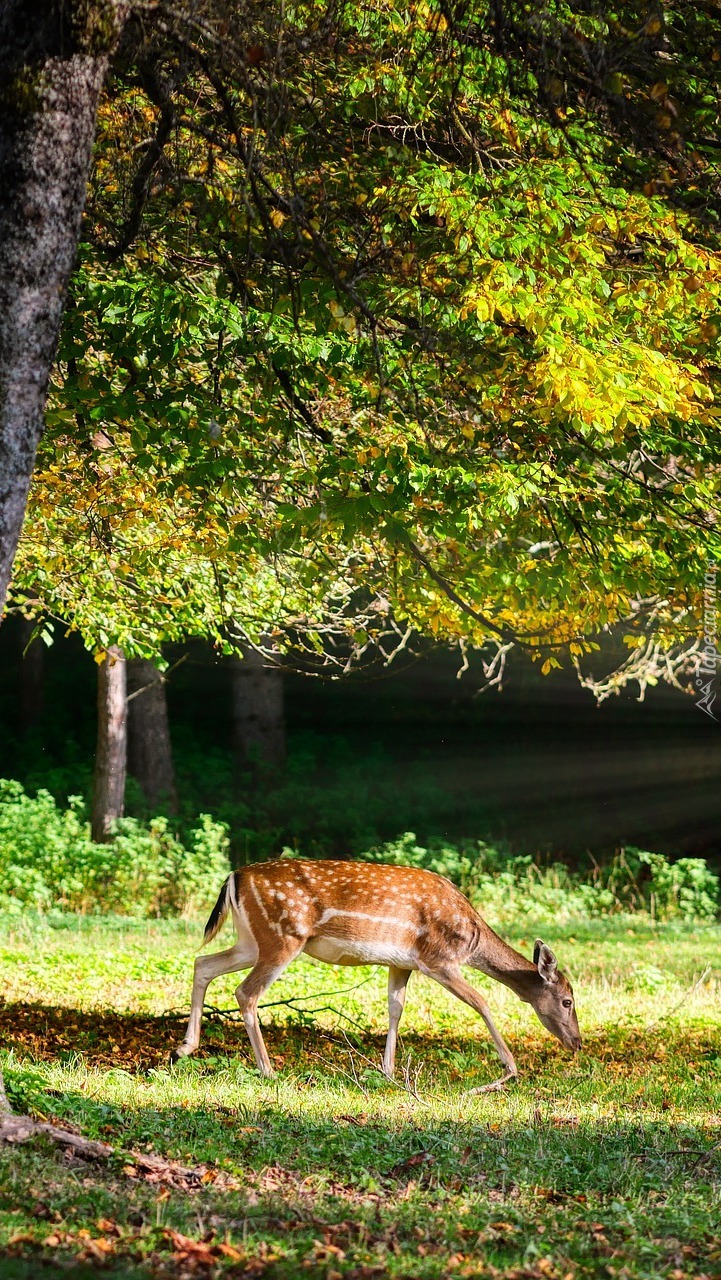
{"x":602,"y":1164}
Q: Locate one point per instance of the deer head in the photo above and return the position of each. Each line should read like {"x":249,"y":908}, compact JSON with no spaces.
{"x":552,"y":998}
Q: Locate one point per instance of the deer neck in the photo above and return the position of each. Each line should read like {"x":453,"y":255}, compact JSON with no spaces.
{"x":496,"y":958}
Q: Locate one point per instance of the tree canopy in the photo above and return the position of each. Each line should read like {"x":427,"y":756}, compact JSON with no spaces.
{"x":406,"y":309}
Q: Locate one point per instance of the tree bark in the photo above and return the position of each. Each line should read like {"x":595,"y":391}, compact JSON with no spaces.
{"x":258,"y":710}
{"x":150,"y":753}
{"x":32,"y":676}
{"x":110,"y":756}
{"x":53,"y":59}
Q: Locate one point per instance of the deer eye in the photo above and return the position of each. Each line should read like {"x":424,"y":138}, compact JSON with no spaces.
{"x":567,"y":1004}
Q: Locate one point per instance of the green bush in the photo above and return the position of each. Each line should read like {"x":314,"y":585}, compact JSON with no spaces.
{"x":515,"y":888}
{"x":48,"y":860}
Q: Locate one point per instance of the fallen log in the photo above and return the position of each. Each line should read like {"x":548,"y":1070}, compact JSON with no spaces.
{"x":14,"y":1128}
{"x":22,"y":1128}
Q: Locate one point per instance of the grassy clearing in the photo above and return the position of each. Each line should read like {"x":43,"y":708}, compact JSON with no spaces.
{"x":603,"y":1164}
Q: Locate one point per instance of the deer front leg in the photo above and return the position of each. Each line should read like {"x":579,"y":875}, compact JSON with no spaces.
{"x":453,"y":981}
{"x":397,"y":982}
{"x":206,"y":968}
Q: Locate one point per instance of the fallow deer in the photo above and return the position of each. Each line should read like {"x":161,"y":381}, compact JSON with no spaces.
{"x":356,"y":913}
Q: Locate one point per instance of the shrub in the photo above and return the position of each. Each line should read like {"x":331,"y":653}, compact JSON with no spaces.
{"x":684,"y":890}
{"x":514,"y":888}
{"x":47,"y":859}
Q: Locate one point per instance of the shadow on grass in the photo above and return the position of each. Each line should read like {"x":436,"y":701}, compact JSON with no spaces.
{"x":134,"y":1041}
{"x":319,"y":1189}
{"x":313,"y":1190}
{"x":35,"y":1268}
{"x":260,"y":1132}
{"x":279,"y":1150}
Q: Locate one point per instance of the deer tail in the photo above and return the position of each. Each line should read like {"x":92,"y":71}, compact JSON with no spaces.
{"x":217,"y":917}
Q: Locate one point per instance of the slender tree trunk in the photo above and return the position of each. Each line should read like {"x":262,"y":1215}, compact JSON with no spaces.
{"x":32,"y":676}
{"x":258,"y":710}
{"x":150,"y":754}
{"x":53,"y":59}
{"x":110,"y":756}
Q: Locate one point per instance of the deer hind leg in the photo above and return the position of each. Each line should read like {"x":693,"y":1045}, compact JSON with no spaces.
{"x":264,"y":972}
{"x":453,"y":981}
{"x":206,"y":968}
{"x":397,"y":982}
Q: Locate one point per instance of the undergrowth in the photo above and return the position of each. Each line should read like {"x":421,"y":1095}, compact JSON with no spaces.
{"x":515,"y":888}
{"x":48,"y":861}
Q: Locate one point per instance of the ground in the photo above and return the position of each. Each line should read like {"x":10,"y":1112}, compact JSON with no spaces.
{"x":604,"y":1164}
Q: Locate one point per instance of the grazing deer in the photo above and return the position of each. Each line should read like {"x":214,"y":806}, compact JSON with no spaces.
{"x":363,"y":913}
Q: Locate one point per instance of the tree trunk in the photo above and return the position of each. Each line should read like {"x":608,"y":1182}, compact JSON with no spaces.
{"x":150,"y":754}
{"x":32,"y":675}
{"x":53,"y":58}
{"x":258,"y":711}
{"x":109,"y":780}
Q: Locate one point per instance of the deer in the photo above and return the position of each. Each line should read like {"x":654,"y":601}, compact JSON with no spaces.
{"x":359,"y":913}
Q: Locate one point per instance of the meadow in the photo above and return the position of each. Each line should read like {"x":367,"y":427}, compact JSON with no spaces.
{"x":602,"y":1164}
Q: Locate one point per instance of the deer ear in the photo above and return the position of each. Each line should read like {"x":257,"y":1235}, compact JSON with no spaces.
{"x":545,"y":961}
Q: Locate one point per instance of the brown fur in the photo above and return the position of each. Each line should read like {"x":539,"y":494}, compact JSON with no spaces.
{"x":366,"y":913}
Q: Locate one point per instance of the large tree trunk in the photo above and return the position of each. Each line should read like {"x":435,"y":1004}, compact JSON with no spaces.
{"x":258,"y":710}
{"x":32,"y":676}
{"x":150,"y":754}
{"x":110,"y":756}
{"x":53,"y":58}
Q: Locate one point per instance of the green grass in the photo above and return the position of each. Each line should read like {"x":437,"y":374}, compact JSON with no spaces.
{"x":604,"y":1164}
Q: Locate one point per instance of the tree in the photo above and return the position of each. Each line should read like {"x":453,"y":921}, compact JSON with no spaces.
{"x":418,"y":346}
{"x":111,"y":751}
{"x":150,"y":754}
{"x":470,"y":372}
{"x":258,"y":710}
{"x":53,"y":61}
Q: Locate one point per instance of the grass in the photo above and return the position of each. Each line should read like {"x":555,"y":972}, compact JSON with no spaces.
{"x":605,"y":1164}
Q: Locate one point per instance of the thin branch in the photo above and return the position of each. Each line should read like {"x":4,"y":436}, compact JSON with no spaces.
{"x":504,"y":632}
{"x":161,"y":679}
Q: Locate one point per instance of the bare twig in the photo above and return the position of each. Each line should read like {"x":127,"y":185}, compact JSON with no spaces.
{"x":406,"y":1086}
{"x":21,"y":1128}
{"x":161,"y":679}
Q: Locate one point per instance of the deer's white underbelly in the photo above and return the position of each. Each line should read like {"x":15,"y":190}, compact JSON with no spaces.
{"x":358,"y":951}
